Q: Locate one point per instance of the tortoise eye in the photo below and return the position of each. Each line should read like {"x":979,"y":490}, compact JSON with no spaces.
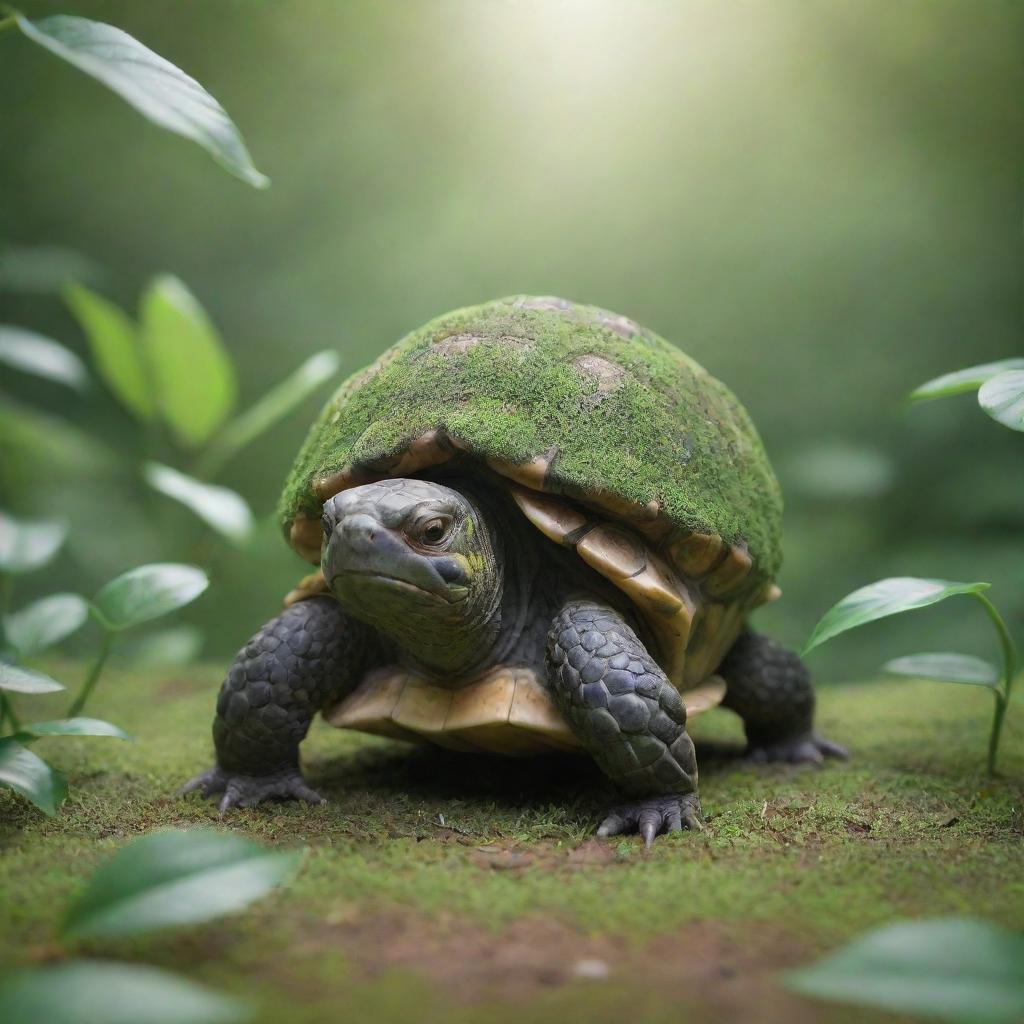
{"x":434,"y":531}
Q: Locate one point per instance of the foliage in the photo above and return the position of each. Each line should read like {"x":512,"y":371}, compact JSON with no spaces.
{"x":905,"y":593}
{"x":1002,"y":397}
{"x":100,"y":992}
{"x":168,"y":370}
{"x":172,"y":368}
{"x":169,"y":878}
{"x":953,"y":969}
{"x":173,"y":878}
{"x":145,"y":593}
{"x":884,"y":598}
{"x":1000,"y":388}
{"x":32,"y":353}
{"x":28,"y":774}
{"x":157,"y":89}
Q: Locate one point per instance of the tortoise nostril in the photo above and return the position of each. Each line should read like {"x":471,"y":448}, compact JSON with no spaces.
{"x":360,"y":529}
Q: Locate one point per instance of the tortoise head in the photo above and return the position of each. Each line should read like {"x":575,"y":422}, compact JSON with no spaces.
{"x":416,"y":560}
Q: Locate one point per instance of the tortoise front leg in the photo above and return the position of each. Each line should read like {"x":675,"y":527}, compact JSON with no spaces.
{"x":307,"y":658}
{"x":627,"y":714}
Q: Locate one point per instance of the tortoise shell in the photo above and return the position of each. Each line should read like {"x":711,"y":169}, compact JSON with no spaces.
{"x":611,"y":441}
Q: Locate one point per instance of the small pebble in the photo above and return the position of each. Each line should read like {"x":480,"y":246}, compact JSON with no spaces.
{"x":592,"y":970}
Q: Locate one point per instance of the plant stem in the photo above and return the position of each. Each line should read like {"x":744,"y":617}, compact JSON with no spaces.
{"x":1002,"y":695}
{"x":94,"y":673}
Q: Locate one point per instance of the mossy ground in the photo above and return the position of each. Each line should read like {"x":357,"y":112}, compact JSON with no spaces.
{"x":394,"y":916}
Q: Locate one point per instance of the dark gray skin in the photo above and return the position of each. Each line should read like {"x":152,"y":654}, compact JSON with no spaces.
{"x":450,"y":581}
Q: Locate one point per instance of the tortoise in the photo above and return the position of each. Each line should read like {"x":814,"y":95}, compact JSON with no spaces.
{"x":538,"y":526}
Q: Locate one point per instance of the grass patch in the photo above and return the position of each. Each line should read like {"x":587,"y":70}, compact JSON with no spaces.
{"x":492,"y":912}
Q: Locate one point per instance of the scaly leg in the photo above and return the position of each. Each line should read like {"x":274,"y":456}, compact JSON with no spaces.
{"x":311,"y":655}
{"x":629,"y":717}
{"x":769,"y":687}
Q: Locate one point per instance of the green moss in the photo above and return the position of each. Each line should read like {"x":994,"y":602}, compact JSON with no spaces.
{"x":911,"y":826}
{"x":507,"y":386}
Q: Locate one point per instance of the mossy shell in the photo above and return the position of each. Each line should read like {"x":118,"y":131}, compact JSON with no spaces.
{"x":612,"y":442}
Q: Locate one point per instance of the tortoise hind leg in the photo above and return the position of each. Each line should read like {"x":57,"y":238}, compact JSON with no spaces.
{"x":770,"y":688}
{"x":628,"y":715}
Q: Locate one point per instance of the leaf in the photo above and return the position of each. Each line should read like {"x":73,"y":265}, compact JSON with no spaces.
{"x":175,"y":877}
{"x":28,"y":544}
{"x":42,"y":269}
{"x":961,"y":381}
{"x":36,"y":446}
{"x":1002,"y":397}
{"x":147,"y":593}
{"x":42,"y":357}
{"x":28,"y":774}
{"x":219,"y":507}
{"x":157,"y":89}
{"x":15,"y":679}
{"x":945,"y":668}
{"x":272,"y":407}
{"x":45,"y":622}
{"x":955,"y":969}
{"x":886,"y":597}
{"x":72,"y":727}
{"x":102,"y":992}
{"x":116,"y":349}
{"x":172,"y":647}
{"x":193,"y":376}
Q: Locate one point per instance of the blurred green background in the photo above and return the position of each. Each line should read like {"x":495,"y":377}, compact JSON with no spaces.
{"x":821,"y":203}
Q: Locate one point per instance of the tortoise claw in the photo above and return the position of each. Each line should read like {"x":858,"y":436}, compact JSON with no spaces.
{"x":249,"y":790}
{"x":810,"y":748}
{"x":654,"y":816}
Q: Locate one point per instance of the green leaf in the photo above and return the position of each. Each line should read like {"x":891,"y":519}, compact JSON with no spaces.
{"x":28,"y":774}
{"x":943,"y":667}
{"x":45,"y":622}
{"x":172,"y":647}
{"x":193,"y":376}
{"x":102,"y":992}
{"x":15,"y":679}
{"x":37,"y":446}
{"x":223,"y":509}
{"x":42,"y":269}
{"x":962,"y":381}
{"x":272,"y":407}
{"x":954,"y":969}
{"x":175,"y":877}
{"x":147,"y":593}
{"x":886,"y":597}
{"x":1002,"y":397}
{"x":71,"y":727}
{"x":157,"y":89}
{"x":42,"y":357}
{"x":28,"y":544}
{"x":116,"y":349}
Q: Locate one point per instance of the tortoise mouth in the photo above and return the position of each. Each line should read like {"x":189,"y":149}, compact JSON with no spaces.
{"x":450,"y":596}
